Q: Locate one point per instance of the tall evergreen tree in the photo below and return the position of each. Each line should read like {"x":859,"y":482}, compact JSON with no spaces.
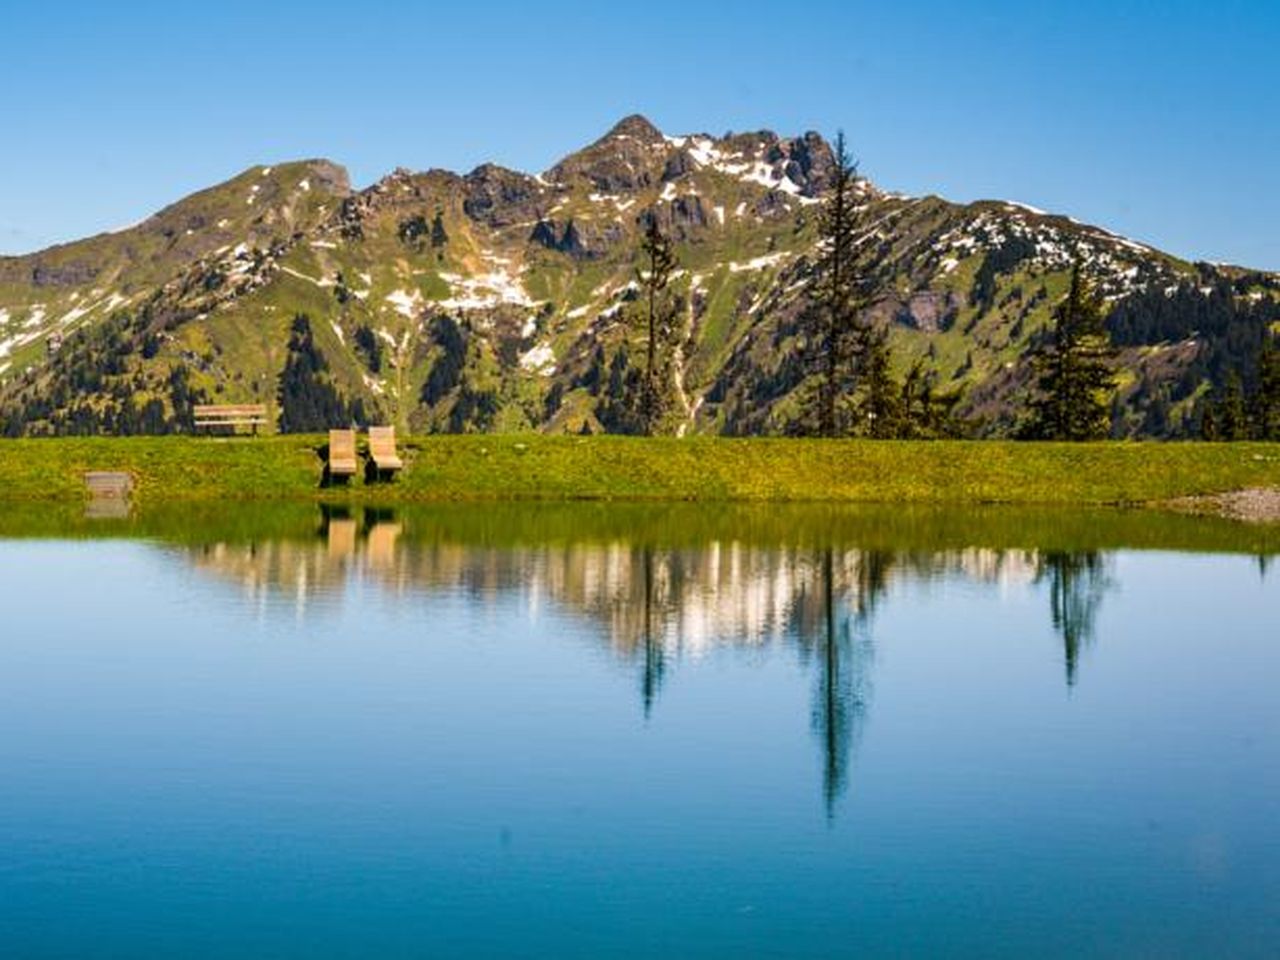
{"x":836,"y":297}
{"x":879,"y":411}
{"x":1266,"y":406}
{"x":1074,"y":375}
{"x":926,"y":413}
{"x":661,"y":333}
{"x":1233,"y":422}
{"x":1209,"y":421}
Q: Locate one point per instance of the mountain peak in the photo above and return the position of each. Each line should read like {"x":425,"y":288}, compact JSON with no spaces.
{"x":637,"y":127}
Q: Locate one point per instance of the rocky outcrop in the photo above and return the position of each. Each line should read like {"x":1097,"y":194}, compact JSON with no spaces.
{"x":683,"y":217}
{"x":808,"y":161}
{"x":582,"y":241}
{"x":678,"y":165}
{"x":929,"y":311}
{"x":630,"y":157}
{"x":71,"y":274}
{"x":499,"y":197}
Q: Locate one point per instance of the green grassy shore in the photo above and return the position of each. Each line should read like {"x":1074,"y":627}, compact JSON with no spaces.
{"x":500,"y":467}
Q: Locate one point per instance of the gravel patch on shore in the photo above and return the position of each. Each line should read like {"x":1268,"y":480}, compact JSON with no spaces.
{"x":1257,"y":505}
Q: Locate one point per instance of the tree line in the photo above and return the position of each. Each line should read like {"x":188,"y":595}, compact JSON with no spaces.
{"x":1232,"y":413}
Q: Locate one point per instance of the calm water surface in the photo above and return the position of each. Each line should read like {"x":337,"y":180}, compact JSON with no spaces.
{"x":628,"y":732}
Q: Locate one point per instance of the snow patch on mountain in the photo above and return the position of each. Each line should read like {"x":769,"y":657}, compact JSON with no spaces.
{"x":322,"y":282}
{"x":759,"y":263}
{"x":540,"y":359}
{"x":708,"y":156}
{"x":500,"y":285}
{"x":404,"y":303}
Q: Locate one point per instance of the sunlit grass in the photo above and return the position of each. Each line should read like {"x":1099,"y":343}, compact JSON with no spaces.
{"x":696,"y":468}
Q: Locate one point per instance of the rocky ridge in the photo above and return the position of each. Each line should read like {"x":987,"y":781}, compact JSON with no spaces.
{"x":498,"y":300}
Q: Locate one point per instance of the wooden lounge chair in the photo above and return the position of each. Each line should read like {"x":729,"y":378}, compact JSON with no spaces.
{"x":342,"y":453}
{"x":382,"y":447}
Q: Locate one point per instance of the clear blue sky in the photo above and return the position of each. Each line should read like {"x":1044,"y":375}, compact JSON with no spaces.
{"x":1158,"y":120}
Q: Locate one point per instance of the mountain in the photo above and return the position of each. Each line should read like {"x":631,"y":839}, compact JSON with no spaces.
{"x":497,"y":300}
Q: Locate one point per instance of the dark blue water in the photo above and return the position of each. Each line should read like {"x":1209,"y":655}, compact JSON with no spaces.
{"x":368,"y":744}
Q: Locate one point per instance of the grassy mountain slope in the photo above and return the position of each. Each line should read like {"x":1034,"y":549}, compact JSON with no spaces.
{"x":501,"y":301}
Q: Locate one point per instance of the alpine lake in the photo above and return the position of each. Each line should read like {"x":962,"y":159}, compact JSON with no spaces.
{"x":625,"y":730}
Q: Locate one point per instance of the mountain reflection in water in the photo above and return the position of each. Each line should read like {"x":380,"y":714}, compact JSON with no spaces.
{"x":654,"y":605}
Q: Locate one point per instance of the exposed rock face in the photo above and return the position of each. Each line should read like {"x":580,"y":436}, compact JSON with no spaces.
{"x":926,"y":311}
{"x":65,"y":275}
{"x":685,"y":216}
{"x":808,"y":161}
{"x":628,"y":158}
{"x":635,"y":127}
{"x":330,"y":177}
{"x":499,"y":197}
{"x":929,"y":311}
{"x":771,"y":206}
{"x":579,"y":240}
{"x":677,"y":165}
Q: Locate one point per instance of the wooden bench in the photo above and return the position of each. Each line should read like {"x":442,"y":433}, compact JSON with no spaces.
{"x":382,"y":448}
{"x":342,"y":453}
{"x":231,"y":415}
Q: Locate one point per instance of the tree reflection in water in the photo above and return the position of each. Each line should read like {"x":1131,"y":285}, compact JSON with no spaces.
{"x":1077,"y":582}
{"x":842,"y":690}
{"x":654,"y":654}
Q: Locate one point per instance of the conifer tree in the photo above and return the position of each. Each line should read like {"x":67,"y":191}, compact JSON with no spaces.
{"x":926,"y":413}
{"x":879,"y":409}
{"x":1074,"y":376}
{"x":1267,"y":401}
{"x":1233,"y":423}
{"x":309,"y":402}
{"x":654,"y":277}
{"x":1209,"y":422}
{"x":835,"y":300}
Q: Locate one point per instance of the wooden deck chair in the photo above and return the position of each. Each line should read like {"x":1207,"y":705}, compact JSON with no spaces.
{"x":382,"y":447}
{"x":342,"y":453}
